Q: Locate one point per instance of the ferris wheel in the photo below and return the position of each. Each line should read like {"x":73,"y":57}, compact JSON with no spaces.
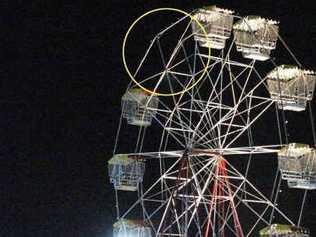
{"x":205,"y":98}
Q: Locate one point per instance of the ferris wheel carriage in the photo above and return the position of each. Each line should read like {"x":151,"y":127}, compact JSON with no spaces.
{"x":217,"y":23}
{"x":297,"y":163}
{"x":139,"y":107}
{"x":291,"y":87}
{"x":280,"y":230}
{"x":126,"y":172}
{"x":255,"y":37}
{"x":131,"y":228}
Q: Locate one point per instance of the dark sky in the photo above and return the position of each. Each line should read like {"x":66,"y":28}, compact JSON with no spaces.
{"x":62,"y":78}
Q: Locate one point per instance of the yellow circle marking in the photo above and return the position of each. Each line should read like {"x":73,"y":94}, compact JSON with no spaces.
{"x":124,"y":45}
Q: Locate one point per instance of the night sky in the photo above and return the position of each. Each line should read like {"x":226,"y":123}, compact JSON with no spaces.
{"x":62,"y":79}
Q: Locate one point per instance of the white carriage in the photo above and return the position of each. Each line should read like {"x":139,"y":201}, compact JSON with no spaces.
{"x":281,"y":230}
{"x":217,"y":23}
{"x":255,"y":37}
{"x":291,"y":87}
{"x":139,"y":107}
{"x":297,"y":163}
{"x":131,"y":228}
{"x":126,"y":172}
